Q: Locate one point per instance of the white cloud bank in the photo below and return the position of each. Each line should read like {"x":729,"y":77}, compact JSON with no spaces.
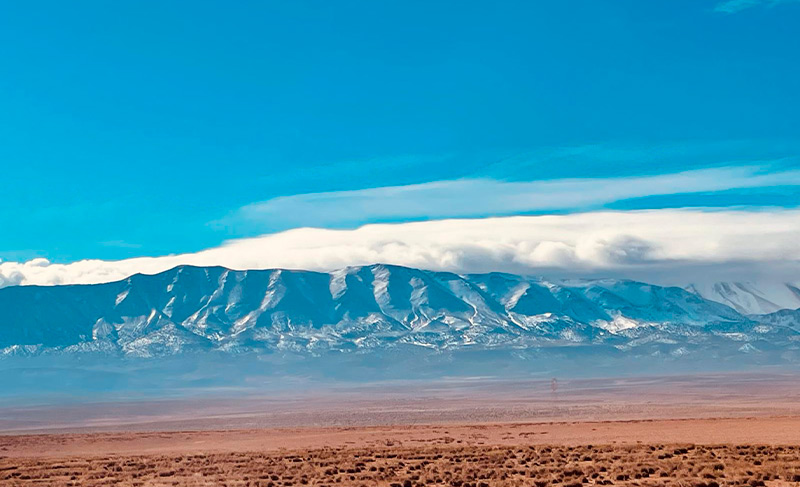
{"x":663,"y":246}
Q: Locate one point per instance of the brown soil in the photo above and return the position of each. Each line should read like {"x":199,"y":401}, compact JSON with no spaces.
{"x":766,"y":430}
{"x":447,"y":463}
{"x":657,"y":433}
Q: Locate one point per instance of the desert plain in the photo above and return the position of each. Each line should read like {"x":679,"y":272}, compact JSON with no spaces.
{"x":703,"y":430}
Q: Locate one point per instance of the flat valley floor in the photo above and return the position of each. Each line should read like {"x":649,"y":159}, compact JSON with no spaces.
{"x":658,"y":431}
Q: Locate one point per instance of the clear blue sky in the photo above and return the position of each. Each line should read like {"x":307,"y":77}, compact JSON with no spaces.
{"x":142,"y":128}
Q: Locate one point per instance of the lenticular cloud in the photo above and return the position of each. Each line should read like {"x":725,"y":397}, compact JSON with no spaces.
{"x":657,"y":246}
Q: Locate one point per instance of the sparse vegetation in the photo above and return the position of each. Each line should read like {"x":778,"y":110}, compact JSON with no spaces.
{"x":457,"y":466}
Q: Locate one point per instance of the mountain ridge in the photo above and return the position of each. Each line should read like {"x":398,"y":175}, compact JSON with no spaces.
{"x":751,"y":297}
{"x":366,"y":309}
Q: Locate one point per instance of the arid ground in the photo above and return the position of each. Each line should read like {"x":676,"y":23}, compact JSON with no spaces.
{"x":693,"y":431}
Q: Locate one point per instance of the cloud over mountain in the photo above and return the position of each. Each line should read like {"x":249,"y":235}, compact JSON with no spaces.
{"x":663,"y":246}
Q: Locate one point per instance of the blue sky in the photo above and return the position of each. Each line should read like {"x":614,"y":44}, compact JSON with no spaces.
{"x":149,"y":128}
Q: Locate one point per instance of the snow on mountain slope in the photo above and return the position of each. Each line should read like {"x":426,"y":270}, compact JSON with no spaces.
{"x":789,"y":318}
{"x":757,"y":297}
{"x":362,"y":308}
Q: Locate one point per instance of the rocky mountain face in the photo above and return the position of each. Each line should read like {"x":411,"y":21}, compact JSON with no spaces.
{"x":377,"y":308}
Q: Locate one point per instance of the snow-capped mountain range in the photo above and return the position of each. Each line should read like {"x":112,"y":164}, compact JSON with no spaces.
{"x":754,"y":297}
{"x":362,"y":309}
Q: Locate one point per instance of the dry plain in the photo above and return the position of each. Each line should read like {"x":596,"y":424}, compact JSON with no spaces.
{"x":694,"y":431}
